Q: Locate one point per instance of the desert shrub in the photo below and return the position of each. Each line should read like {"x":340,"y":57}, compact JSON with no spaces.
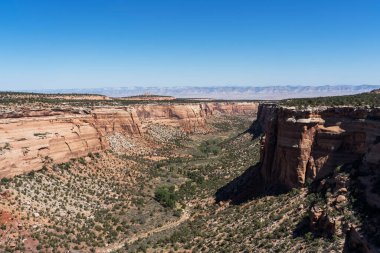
{"x":82,"y":160}
{"x":209,"y":147}
{"x":166,"y":196}
{"x":6,"y":146}
{"x":195,"y":176}
{"x":4,"y":181}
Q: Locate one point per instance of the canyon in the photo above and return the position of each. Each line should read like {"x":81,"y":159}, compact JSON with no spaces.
{"x":31,"y":139}
{"x":244,"y":175}
{"x":92,"y":171}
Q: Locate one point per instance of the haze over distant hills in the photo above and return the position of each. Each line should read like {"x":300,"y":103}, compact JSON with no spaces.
{"x":226,"y":92}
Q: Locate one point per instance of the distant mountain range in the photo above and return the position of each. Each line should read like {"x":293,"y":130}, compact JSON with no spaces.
{"x":227,"y":92}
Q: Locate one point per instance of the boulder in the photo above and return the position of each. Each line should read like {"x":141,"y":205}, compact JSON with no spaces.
{"x":321,"y":222}
{"x":341,"y":199}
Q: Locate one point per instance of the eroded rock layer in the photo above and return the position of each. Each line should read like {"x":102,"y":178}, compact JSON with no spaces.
{"x":309,"y":144}
{"x":27,"y":143}
{"x":191,"y":117}
{"x":30,"y":139}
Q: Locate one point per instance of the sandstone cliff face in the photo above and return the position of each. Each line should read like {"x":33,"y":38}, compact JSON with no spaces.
{"x":191,"y":117}
{"x":30,"y":142}
{"x":242,"y":108}
{"x":302,"y":144}
{"x":30,"y":139}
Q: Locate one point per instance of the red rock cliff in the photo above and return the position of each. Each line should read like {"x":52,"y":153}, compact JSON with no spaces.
{"x":31,"y":138}
{"x":27,"y":143}
{"x":191,"y":117}
{"x":302,"y":144}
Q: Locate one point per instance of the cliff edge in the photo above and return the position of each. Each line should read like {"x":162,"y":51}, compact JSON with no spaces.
{"x":298,"y":145}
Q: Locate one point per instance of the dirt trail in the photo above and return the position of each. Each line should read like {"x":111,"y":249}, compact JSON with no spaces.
{"x":113,"y":247}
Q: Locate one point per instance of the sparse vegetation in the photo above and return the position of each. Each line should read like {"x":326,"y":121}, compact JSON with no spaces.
{"x":92,"y":203}
{"x":209,"y":147}
{"x":98,"y":200}
{"x":42,"y":99}
{"x":6,"y":147}
{"x":363,"y":99}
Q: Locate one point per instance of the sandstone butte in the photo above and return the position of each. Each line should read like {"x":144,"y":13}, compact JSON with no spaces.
{"x":31,"y":138}
{"x":298,"y":145}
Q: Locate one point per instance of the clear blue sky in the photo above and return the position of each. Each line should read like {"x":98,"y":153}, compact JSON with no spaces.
{"x":113,"y":43}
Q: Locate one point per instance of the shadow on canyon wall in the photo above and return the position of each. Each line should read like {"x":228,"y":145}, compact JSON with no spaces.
{"x":250,"y":184}
{"x":247,"y":186}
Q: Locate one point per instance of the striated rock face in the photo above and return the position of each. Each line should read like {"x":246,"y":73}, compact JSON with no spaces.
{"x":191,"y":117}
{"x":302,"y":144}
{"x":312,"y":144}
{"x":242,"y":108}
{"x":30,"y":139}
{"x":33,"y":141}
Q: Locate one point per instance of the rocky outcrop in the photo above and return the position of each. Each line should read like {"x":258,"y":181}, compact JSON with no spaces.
{"x":321,"y":222}
{"x":309,"y":144}
{"x":333,"y":150}
{"x":314,"y":145}
{"x":355,"y":242}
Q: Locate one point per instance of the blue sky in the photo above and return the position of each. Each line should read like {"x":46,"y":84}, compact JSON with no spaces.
{"x":113,"y":43}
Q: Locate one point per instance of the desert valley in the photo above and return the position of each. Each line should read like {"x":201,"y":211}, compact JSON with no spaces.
{"x":90,"y":173}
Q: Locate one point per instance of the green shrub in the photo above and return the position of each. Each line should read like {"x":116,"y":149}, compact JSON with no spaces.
{"x":82,"y":160}
{"x":196,"y":177}
{"x":166,"y":196}
{"x":5,"y":181}
{"x":209,"y":147}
